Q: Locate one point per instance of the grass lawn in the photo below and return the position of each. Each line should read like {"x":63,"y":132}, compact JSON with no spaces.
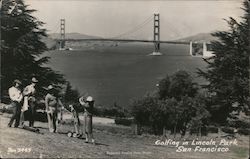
{"x":19,"y":143}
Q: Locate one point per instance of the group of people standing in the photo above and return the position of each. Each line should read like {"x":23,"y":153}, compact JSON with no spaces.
{"x":22,"y":101}
{"x":25,"y":100}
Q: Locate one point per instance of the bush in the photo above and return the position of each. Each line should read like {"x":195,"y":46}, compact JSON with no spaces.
{"x":110,"y":112}
{"x":178,"y":106}
{"x":146,"y":130}
{"x":199,"y":131}
{"x":228,"y":130}
{"x":243,"y":131}
{"x":177,"y":85}
{"x":240,"y":123}
{"x":6,"y":109}
{"x":212,"y":129}
{"x":123,"y":121}
{"x":148,"y":111}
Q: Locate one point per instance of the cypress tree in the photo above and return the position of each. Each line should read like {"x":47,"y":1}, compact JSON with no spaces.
{"x":228,"y":70}
{"x":22,"y":47}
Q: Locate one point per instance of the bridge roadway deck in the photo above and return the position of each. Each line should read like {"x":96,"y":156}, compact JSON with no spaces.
{"x":127,"y":40}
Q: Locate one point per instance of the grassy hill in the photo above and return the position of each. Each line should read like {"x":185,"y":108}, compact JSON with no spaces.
{"x":19,"y":143}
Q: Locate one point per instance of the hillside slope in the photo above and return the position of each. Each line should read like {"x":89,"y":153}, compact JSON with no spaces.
{"x":51,"y":42}
{"x":73,"y":36}
{"x":201,"y":37}
{"x":19,"y":143}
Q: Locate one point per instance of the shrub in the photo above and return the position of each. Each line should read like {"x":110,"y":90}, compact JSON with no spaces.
{"x":146,"y":130}
{"x":148,"y":112}
{"x":243,"y":131}
{"x":239,"y":123}
{"x":110,"y":112}
{"x":6,"y":109}
{"x":228,"y":130}
{"x":123,"y":121}
{"x":212,"y":129}
{"x":199,"y":131}
{"x":178,"y":106}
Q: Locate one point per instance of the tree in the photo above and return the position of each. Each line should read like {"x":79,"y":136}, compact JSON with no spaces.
{"x":201,"y":115}
{"x":177,"y":85}
{"x":71,"y":95}
{"x":177,"y":107}
{"x":187,"y":113}
{"x":163,"y":87}
{"x":228,"y":69}
{"x":21,"y":47}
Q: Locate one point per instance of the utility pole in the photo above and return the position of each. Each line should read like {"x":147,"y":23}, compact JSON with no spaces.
{"x":157,"y":33}
{"x":62,"y":33}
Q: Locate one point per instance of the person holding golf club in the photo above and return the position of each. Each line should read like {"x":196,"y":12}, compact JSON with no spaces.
{"x":88,"y":105}
{"x":30,"y":102}
{"x":75,"y":110}
{"x":51,"y":103}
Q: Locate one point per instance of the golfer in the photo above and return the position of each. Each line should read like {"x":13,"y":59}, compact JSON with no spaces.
{"x":51,"y":103}
{"x":75,"y":110}
{"x":88,"y":113}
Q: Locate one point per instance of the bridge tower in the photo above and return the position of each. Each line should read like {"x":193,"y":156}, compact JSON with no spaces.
{"x":157,"y":34}
{"x":62,"y":34}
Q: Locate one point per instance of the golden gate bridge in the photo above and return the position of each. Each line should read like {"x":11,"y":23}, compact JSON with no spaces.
{"x":120,"y":38}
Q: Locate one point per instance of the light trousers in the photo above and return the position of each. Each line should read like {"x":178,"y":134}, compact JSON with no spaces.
{"x":52,"y":119}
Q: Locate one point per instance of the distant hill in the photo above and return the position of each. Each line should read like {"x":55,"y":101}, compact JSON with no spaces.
{"x":201,"y":37}
{"x":50,"y":40}
{"x":73,"y":36}
{"x":50,"y":43}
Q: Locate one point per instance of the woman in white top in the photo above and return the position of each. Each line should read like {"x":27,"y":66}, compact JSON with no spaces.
{"x":16,"y":97}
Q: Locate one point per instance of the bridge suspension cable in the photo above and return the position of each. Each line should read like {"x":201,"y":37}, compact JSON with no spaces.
{"x":55,"y":28}
{"x":136,"y":28}
{"x":171,"y":27}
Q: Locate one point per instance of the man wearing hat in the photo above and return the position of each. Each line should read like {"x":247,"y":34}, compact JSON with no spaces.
{"x":29,"y":102}
{"x":88,"y":105}
{"x":51,"y":103}
{"x":16,"y":97}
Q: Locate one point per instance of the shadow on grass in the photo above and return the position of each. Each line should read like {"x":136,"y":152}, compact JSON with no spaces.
{"x":39,"y":127}
{"x":83,"y":138}
{"x":63,"y":133}
{"x":101,"y":144}
{"x":31,"y":129}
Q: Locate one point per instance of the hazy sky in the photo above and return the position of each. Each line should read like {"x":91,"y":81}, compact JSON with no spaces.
{"x":109,"y":18}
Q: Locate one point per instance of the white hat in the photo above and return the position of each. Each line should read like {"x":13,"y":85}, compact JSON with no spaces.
{"x":89,"y":99}
{"x":50,"y":87}
{"x":34,"y":80}
{"x":17,"y":81}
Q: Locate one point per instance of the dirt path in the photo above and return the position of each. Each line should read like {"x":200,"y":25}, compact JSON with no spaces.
{"x":16,"y":143}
